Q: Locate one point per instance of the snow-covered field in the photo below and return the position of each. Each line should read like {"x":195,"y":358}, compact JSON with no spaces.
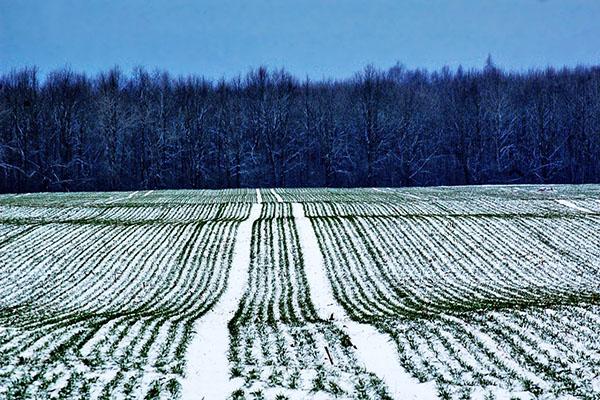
{"x":375,"y":293}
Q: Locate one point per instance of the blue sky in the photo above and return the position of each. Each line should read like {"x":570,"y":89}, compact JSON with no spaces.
{"x":314,"y":38}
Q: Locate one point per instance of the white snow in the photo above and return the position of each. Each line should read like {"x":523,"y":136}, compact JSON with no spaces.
{"x":572,"y":205}
{"x":112,"y":199}
{"x":374,"y":349}
{"x":207,"y":375}
{"x":411,"y":195}
{"x":391,"y":190}
{"x":258,"y":196}
{"x":277,"y":196}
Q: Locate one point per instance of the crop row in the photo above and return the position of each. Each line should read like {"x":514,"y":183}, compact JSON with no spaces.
{"x":474,"y":303}
{"x":113,"y":214}
{"x":280,"y":348}
{"x":96,"y":310}
{"x":147,"y":198}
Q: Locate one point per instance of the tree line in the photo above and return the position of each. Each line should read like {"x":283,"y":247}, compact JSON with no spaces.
{"x":395,"y":127}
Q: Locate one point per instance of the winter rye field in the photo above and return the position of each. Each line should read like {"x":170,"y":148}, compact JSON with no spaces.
{"x":488,"y":292}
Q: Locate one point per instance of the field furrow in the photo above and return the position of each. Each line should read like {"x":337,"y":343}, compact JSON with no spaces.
{"x":488,"y":292}
{"x":105,"y":308}
{"x":467,"y":298}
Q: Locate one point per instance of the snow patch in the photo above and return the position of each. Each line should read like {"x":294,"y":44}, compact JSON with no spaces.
{"x":401,"y":192}
{"x":207,"y":374}
{"x":411,"y":195}
{"x":277,"y":196}
{"x":374,"y":350}
{"x":572,"y":205}
{"x":112,"y":199}
{"x":258,"y":196}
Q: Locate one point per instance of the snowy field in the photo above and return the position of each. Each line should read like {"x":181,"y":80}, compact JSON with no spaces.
{"x":476,"y":292}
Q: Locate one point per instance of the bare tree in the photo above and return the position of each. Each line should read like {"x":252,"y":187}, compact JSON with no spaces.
{"x":397,"y":127}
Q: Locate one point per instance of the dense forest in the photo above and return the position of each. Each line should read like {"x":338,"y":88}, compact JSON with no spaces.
{"x":114,"y":131}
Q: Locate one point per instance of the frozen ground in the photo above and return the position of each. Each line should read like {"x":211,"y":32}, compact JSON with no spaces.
{"x":207,"y":374}
{"x":375,"y":350}
{"x":462,"y":292}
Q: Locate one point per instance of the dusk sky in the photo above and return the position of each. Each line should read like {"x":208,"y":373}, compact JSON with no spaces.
{"x":315,"y":38}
